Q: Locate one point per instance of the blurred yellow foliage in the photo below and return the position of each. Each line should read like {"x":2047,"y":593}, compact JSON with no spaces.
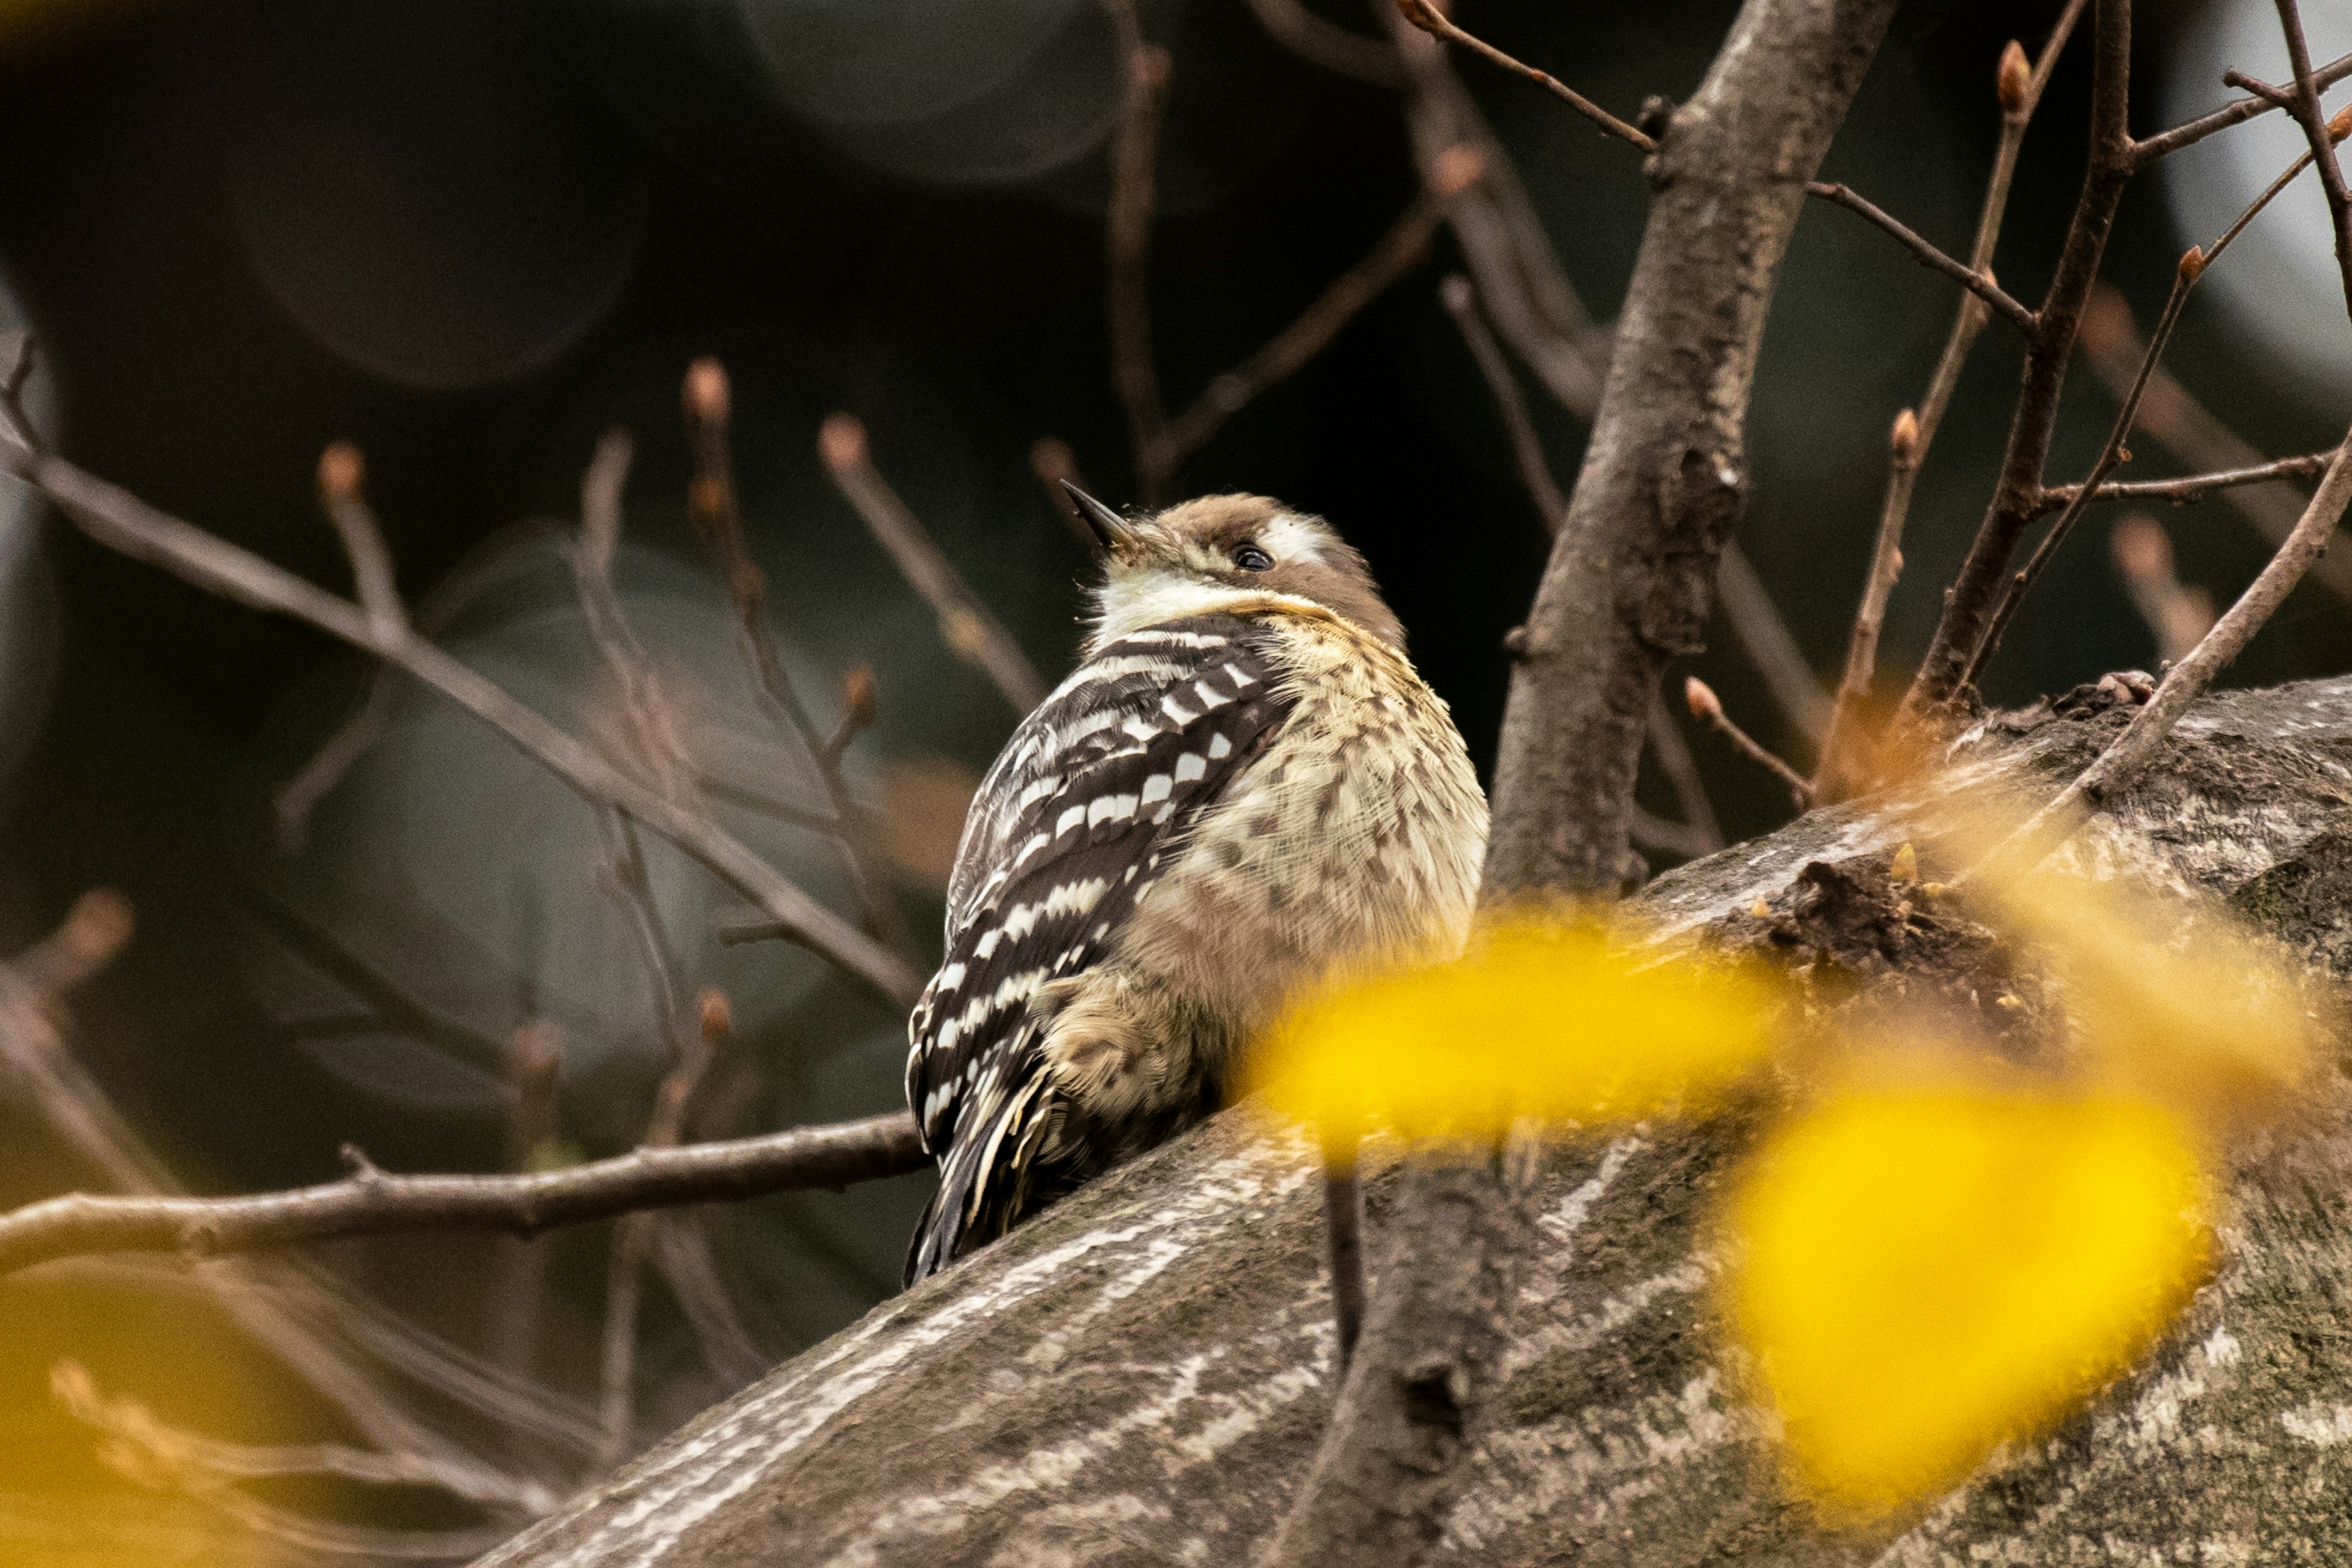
{"x":1566,"y":1019}
{"x":1925,"y":1272}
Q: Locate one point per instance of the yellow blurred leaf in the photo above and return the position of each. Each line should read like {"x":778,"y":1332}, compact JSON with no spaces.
{"x":1926,"y":1272}
{"x":1559,"y":1020}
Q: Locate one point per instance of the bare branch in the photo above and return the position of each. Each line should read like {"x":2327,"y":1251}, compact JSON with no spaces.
{"x":971,"y":634}
{"x":2164,"y":144}
{"x":1977,"y":281}
{"x":1707,"y":709}
{"x":1699,"y":833}
{"x":2121,"y":762}
{"x":2193,"y":435}
{"x":1844,"y":759}
{"x":1969,"y":607}
{"x":1425,"y":15}
{"x":121,"y":521}
{"x":1335,"y":48}
{"x":1396,"y":253}
{"x":96,"y":928}
{"x":376,"y":1204}
{"x":2191,"y":488}
{"x":533,"y":1057}
{"x":707,"y":400}
{"x":2323,"y":137}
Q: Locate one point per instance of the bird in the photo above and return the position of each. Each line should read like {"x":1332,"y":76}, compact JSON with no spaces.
{"x":1243,"y":785}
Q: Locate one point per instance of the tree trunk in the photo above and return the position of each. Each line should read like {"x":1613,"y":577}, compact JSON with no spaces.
{"x":1141,"y":1376}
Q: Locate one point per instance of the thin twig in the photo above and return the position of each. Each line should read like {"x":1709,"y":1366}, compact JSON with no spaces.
{"x":2114,"y":451}
{"x":1425,"y":15}
{"x":1333,"y":47}
{"x":1976,"y":281}
{"x":373,"y":1202}
{"x":971,"y":634}
{"x":98,"y":927}
{"x":1975,"y":592}
{"x":342,"y":476}
{"x":708,"y":402}
{"x":1127,"y":240}
{"x":2323,"y":138}
{"x":122,"y":522}
{"x":1845,"y":756}
{"x":2121,"y":762}
{"x":2196,"y":437}
{"x":533,"y":1062}
{"x":1707,"y":709}
{"x":2165,"y":143}
{"x":2191,"y":488}
{"x":1394,"y":255}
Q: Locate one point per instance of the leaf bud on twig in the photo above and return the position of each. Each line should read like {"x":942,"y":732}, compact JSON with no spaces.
{"x":858,"y":699}
{"x":1904,"y":439}
{"x":1703,"y":704}
{"x":2192,"y":264}
{"x":1423,"y":15}
{"x":717,"y":1019}
{"x":2014,"y":78}
{"x":342,"y":471}
{"x":2341,"y":126}
{"x":841,"y":442}
{"x":708,"y":396}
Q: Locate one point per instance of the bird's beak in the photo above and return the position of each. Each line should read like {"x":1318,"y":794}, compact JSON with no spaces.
{"x":1111,"y":531}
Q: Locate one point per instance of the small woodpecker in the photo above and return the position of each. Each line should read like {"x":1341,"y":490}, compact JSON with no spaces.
{"x":1243,"y":784}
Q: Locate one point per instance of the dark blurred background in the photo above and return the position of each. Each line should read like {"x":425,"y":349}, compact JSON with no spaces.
{"x":469,"y":235}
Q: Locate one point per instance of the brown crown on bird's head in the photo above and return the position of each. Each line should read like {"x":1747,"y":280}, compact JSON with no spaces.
{"x":1221,"y":553}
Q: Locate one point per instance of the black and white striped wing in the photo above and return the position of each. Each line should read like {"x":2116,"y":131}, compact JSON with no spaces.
{"x":1069,"y":829}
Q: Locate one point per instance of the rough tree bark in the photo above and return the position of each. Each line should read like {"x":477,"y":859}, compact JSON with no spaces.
{"x":1664,"y":479}
{"x":1141,"y":1376}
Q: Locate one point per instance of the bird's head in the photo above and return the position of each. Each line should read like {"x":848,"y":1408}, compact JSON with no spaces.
{"x":1224,"y":552}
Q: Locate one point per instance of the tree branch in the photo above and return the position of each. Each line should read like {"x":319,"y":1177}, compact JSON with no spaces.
{"x":1126,"y":239}
{"x":2165,"y":143}
{"x":2323,"y":138}
{"x":2194,"y":487}
{"x":1335,"y":48}
{"x":1977,"y":281}
{"x":373,"y":1202}
{"x":971,"y":634}
{"x":1425,"y":15}
{"x":1969,"y":605}
{"x":122,"y":522}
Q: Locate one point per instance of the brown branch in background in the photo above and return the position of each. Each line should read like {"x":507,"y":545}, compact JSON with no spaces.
{"x":129,"y":1423}
{"x":1699,"y":834}
{"x":1846,"y":760}
{"x":708,"y":402}
{"x":1762,"y":634}
{"x":1126,"y":239}
{"x":1521,"y":286}
{"x":372,"y":1203}
{"x":655,"y":741}
{"x":1707,"y":709}
{"x":971,"y":634}
{"x":1977,"y":281}
{"x":2191,"y":433}
{"x":1425,"y":14}
{"x":2178,"y":614}
{"x":488,"y":565}
{"x":1968,"y":607}
{"x":2185,"y":681}
{"x":1461,"y":302}
{"x":1396,"y":253}
{"x":2165,"y":143}
{"x":2323,"y":137}
{"x":114,"y":518}
{"x":306,"y":1319}
{"x":1327,"y":45}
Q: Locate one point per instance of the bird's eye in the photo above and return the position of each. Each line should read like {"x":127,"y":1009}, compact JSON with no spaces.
{"x":1250,"y":558}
